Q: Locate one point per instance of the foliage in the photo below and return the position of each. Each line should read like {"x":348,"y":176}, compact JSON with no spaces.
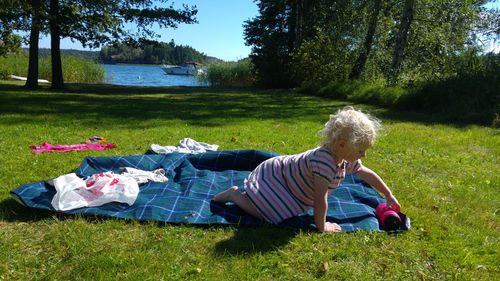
{"x":446,"y":177}
{"x":13,"y":64}
{"x":471,"y":95}
{"x":9,"y":43}
{"x":95,"y":23}
{"x":79,"y":70}
{"x":317,"y":41}
{"x":283,"y":26}
{"x":320,"y":60}
{"x":438,"y":33}
{"x":151,"y":53}
{"x":231,"y":73}
{"x":91,"y":55}
{"x":76,"y":69}
{"x":10,"y":12}
{"x":268,"y":34}
{"x":375,"y":92}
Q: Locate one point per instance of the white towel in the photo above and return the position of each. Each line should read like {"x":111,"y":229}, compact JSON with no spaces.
{"x":141,"y":176}
{"x":186,"y":145}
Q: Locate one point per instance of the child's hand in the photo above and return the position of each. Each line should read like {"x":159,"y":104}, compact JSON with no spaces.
{"x":332,"y":227}
{"x":393,"y":203}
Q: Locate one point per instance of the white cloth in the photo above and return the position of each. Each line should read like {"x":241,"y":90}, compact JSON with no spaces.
{"x":141,"y":176}
{"x":186,"y":145}
{"x":73,"y":192}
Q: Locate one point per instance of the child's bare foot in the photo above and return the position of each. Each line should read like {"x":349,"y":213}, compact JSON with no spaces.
{"x":332,"y":227}
{"x":226,"y":195}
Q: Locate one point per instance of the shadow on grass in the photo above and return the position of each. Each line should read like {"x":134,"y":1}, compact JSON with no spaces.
{"x":252,"y":240}
{"x":12,"y":211}
{"x":421,"y":117}
{"x":247,"y":239}
{"x":129,"y":106}
{"x":428,"y":118}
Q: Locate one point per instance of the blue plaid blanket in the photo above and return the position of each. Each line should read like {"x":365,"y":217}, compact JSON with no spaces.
{"x":193,"y":180}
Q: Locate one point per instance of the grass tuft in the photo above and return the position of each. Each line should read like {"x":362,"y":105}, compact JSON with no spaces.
{"x":75,"y":69}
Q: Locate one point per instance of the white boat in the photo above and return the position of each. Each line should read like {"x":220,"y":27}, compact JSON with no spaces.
{"x":14,"y":77}
{"x":188,"y":68}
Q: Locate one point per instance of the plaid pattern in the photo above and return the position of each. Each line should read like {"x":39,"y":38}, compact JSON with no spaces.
{"x":193,"y":180}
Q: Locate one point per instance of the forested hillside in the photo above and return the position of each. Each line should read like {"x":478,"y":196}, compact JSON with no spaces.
{"x":93,"y":55}
{"x":158,"y":53}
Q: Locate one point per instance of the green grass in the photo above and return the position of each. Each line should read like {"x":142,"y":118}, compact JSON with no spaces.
{"x":445,"y":175}
{"x":373,"y":92}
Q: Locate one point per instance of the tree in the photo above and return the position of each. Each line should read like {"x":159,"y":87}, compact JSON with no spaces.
{"x":55,"y":45}
{"x":9,"y":43}
{"x":282,"y":27}
{"x":91,"y":22}
{"x":269,"y":36}
{"x":36,"y":23}
{"x":97,"y":22}
{"x":11,"y":17}
{"x":440,"y":31}
{"x":22,"y":15}
{"x":359,"y":65}
{"x":401,"y":37}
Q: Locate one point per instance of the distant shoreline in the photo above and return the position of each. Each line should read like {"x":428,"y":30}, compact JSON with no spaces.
{"x":94,"y":55}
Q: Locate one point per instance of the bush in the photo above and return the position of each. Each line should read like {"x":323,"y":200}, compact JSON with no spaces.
{"x":231,"y":74}
{"x":470,"y":96}
{"x":366,"y":92}
{"x":75,"y":69}
{"x":320,"y":60}
{"x":473,"y":99}
{"x":81,"y":70}
{"x":13,"y":64}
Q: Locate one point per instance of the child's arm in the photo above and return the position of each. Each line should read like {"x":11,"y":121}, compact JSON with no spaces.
{"x":321,"y":206}
{"x":371,"y":178}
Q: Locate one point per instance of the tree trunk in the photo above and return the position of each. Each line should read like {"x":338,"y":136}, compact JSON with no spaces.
{"x":359,"y":65}
{"x":55,"y":46}
{"x":32,"y":80}
{"x":298,"y":24}
{"x":401,"y":39}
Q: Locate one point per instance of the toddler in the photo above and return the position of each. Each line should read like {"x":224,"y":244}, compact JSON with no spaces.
{"x":286,"y":186}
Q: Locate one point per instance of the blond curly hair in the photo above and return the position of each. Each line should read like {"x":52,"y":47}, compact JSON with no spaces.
{"x":352,"y":125}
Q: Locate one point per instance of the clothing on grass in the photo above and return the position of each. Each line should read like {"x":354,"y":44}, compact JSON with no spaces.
{"x":47,"y":147}
{"x":186,"y":145}
{"x":141,"y":176}
{"x":283,"y":187}
{"x":73,"y":192}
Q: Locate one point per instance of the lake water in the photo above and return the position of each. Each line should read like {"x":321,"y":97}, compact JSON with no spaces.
{"x":146,"y":75}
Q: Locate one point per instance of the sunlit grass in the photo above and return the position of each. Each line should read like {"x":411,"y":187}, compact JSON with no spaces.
{"x":445,"y":175}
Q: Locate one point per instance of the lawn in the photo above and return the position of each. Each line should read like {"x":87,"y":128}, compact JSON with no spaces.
{"x":445,"y":175}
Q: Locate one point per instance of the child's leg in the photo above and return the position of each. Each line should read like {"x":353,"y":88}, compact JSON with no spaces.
{"x":234,"y":195}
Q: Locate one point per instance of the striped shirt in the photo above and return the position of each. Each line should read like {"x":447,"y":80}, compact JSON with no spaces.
{"x":283,"y":187}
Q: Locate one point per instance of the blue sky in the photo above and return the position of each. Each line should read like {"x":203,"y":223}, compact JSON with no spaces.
{"x":219,"y":31}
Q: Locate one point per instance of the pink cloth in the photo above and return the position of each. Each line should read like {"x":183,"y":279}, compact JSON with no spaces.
{"x":47,"y":147}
